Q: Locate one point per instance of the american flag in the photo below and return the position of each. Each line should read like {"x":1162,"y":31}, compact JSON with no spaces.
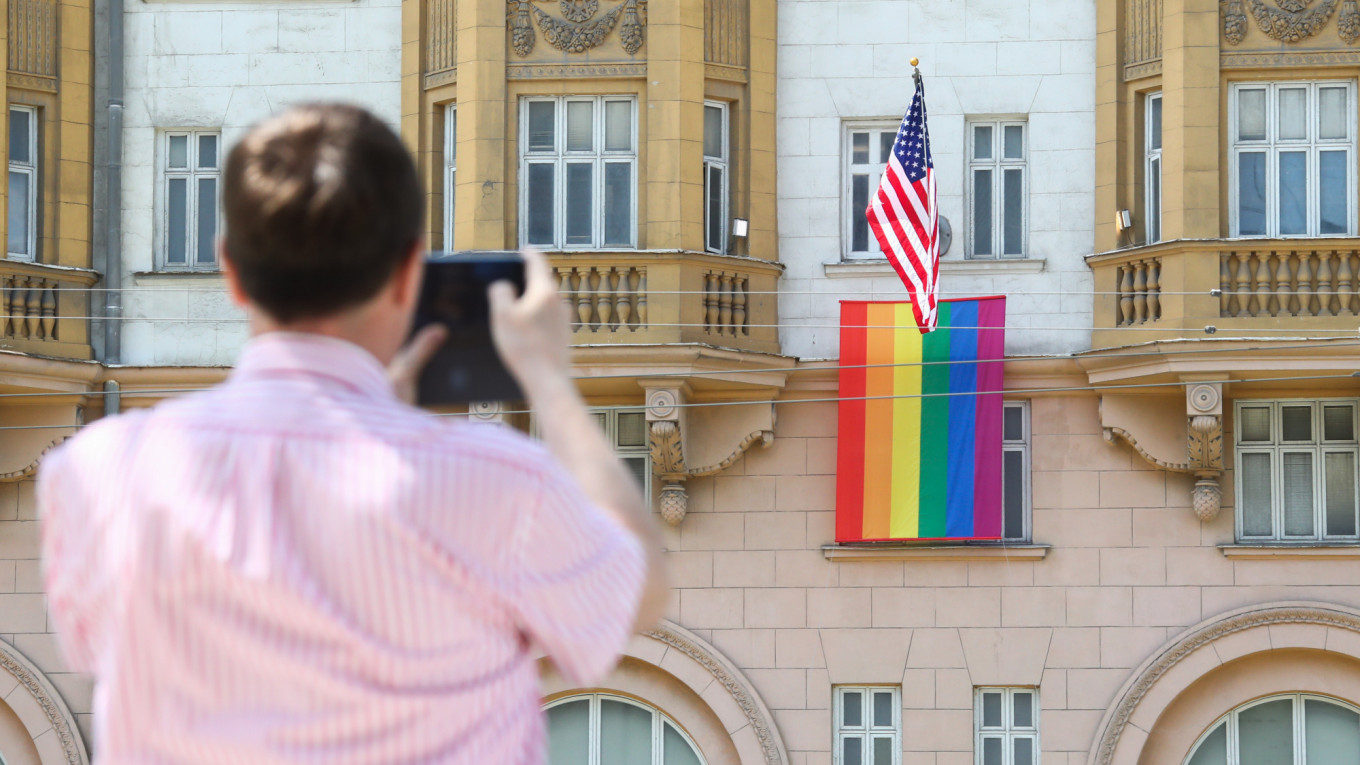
{"x":903,"y":215}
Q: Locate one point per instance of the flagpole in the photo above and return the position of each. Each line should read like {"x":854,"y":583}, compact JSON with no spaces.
{"x":916,"y":73}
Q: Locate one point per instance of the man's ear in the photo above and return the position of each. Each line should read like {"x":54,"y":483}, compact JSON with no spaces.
{"x":406,"y":287}
{"x":234,"y":288}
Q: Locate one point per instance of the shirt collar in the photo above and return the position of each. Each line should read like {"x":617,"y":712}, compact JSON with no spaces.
{"x":307,"y":355}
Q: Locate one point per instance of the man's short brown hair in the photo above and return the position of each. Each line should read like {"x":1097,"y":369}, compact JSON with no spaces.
{"x":322,"y":204}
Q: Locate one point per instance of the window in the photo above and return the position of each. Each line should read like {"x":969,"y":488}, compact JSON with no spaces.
{"x":1015,"y":471}
{"x":1290,"y":168}
{"x":868,"y":725}
{"x":627,"y":430}
{"x":1007,"y":724}
{"x":1297,"y":729}
{"x":1152,"y":169}
{"x":578,"y":165}
{"x":189,"y":196}
{"x":715,"y":177}
{"x":1296,"y":470}
{"x":599,"y":729}
{"x":867,"y":149}
{"x":996,"y":180}
{"x":23,"y":183}
{"x":450,"y":168}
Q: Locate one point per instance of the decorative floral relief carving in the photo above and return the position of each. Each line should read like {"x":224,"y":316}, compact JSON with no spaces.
{"x":1287,"y":26}
{"x":575,"y":32}
{"x":1348,"y":23}
{"x":1234,"y":21}
{"x":1289,"y":20}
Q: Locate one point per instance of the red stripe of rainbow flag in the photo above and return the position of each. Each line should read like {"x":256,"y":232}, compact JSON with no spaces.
{"x":920,"y":467}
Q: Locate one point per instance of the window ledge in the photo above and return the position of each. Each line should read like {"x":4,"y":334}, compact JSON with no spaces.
{"x":859,"y":268}
{"x":1020,"y":551}
{"x":176,"y":272}
{"x":1320,"y":551}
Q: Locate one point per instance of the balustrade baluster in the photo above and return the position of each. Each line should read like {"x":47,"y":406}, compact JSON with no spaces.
{"x":48,"y":322}
{"x":725,"y":303}
{"x":623,"y":304}
{"x":16,"y":307}
{"x":1290,"y":303}
{"x":1344,"y":276}
{"x":1227,"y":297}
{"x":1140,"y":292}
{"x":1325,"y":290}
{"x":604,"y":299}
{"x":1236,"y":289}
{"x":1242,"y":293}
{"x":1260,"y":285}
{"x":1154,"y":290}
{"x":32,"y":308}
{"x":585,"y":300}
{"x":739,"y":308}
{"x":710,"y":302}
{"x":1125,"y":289}
{"x":5,"y":329}
{"x":642,"y":299}
{"x":1305,"y":285}
{"x":1277,"y":302}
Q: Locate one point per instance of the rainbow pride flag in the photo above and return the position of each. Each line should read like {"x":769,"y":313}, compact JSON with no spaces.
{"x":920,"y":466}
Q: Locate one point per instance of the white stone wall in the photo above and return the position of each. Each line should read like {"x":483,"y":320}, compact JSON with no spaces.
{"x":228,"y":65}
{"x":847,"y":61}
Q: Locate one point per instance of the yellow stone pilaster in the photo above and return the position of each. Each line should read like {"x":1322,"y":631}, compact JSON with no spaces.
{"x":675,"y":113}
{"x":480,"y":203}
{"x":763,"y":241}
{"x":1109,"y":138}
{"x":1191,"y":154}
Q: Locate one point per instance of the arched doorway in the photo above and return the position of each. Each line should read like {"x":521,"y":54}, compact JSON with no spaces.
{"x":605,"y":728}
{"x":1289,"y":729}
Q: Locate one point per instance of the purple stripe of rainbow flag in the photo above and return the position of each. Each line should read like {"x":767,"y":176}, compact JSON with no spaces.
{"x":920,"y":467}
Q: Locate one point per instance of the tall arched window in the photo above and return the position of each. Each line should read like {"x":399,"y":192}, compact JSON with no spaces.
{"x":600,"y":729}
{"x":1295,"y":729}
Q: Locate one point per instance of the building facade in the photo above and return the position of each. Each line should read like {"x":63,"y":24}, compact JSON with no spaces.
{"x":1164,"y":191}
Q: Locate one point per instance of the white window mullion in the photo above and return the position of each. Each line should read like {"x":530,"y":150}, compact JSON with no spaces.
{"x":450,"y":171}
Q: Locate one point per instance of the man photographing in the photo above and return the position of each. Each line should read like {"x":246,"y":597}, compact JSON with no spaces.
{"x":328,"y":574}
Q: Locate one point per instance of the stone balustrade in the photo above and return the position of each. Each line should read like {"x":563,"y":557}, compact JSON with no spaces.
{"x":44,"y":309}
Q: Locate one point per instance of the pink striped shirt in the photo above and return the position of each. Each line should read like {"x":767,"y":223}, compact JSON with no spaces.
{"x":296,"y":567}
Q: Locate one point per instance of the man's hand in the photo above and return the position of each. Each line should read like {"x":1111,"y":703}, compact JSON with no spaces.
{"x":404,"y":371}
{"x":533,"y":332}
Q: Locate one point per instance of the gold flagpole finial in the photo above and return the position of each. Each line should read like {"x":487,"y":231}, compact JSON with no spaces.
{"x":915,"y":61}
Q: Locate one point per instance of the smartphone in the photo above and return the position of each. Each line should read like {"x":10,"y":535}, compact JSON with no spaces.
{"x":454,"y":293}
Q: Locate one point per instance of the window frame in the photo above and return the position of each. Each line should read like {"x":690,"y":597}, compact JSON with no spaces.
{"x":192,"y":174}
{"x":1007,"y":731}
{"x":659,"y":720}
{"x":450,"y":170}
{"x":1272,"y":146}
{"x":1298,"y":729}
{"x":1318,"y":447}
{"x":723,"y":164}
{"x":849,"y":169}
{"x":998,"y":164}
{"x":560,"y":157}
{"x":1152,"y":168}
{"x":868,"y":731}
{"x":1022,"y":445}
{"x":32,"y":169}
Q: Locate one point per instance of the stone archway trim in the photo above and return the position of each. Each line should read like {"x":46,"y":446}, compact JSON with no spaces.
{"x":1146,"y":676}
{"x":733,"y":682}
{"x":62,"y":725}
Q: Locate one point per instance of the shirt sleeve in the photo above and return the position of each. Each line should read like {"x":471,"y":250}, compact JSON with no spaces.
{"x":579,"y":582}
{"x":77,"y":589}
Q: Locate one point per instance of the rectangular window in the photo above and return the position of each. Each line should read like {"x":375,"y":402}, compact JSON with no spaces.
{"x":23,"y":183}
{"x":1296,"y":470}
{"x":1006,"y":721}
{"x":868,"y":722}
{"x":715,"y":176}
{"x":1152,"y":169}
{"x":450,"y":169}
{"x":867,"y":149}
{"x":1291,"y":157}
{"x":627,"y":432}
{"x":578,"y":157}
{"x":1015,"y":471}
{"x":189,"y":195}
{"x":996,"y":189}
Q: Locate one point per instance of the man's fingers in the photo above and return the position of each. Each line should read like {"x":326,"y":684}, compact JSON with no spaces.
{"x":417,"y":353}
{"x":538,"y":274}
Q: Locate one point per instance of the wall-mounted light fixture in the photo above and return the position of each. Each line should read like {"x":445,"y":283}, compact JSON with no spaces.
{"x":740,"y":227}
{"x":1123,"y":221}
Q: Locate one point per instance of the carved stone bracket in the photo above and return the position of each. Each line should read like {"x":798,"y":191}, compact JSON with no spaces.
{"x":1141,"y":422}
{"x":715,"y":443}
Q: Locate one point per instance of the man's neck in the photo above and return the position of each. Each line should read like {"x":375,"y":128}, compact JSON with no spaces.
{"x":354,"y":326}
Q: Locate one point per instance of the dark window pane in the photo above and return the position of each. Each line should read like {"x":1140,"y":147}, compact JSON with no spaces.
{"x":207,"y":220}
{"x":625,"y":734}
{"x":1294,"y":192}
{"x":713,"y":132}
{"x":632,"y":429}
{"x":1331,"y":733}
{"x":885,"y":144}
{"x":1014,"y":138}
{"x":207,"y":152}
{"x":883,"y":751}
{"x":852,"y":709}
{"x":20,"y":133}
{"x":1332,"y":193}
{"x":991,"y":710}
{"x":991,"y":751}
{"x":1265,"y":733}
{"x":1251,"y":114}
{"x":1213,"y":750}
{"x":859,"y":148}
{"x":1013,"y":493}
{"x":1023,"y":750}
{"x":618,"y":204}
{"x":853,"y":751}
{"x":1251,"y":194}
{"x":982,"y":142}
{"x":1023,"y":709}
{"x":1298,"y":423}
{"x":1254,"y":424}
{"x":1154,"y":211}
{"x":859,"y":204}
{"x":569,"y":733}
{"x":982,"y":212}
{"x":1014,"y":203}
{"x":580,"y":204}
{"x":179,"y":152}
{"x":1339,"y":484}
{"x":1155,"y":123}
{"x":618,"y":126}
{"x":1255,"y":494}
{"x":1338,"y":423}
{"x":675,"y":750}
{"x":1297,"y":486}
{"x":177,"y":228}
{"x":1332,"y":117}
{"x":580,"y":125}
{"x":20,"y":190}
{"x":714,"y":211}
{"x":883,"y":716}
{"x":1013,"y":424}
{"x":541,"y":125}
{"x":540,"y":207}
{"x":637,"y":467}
